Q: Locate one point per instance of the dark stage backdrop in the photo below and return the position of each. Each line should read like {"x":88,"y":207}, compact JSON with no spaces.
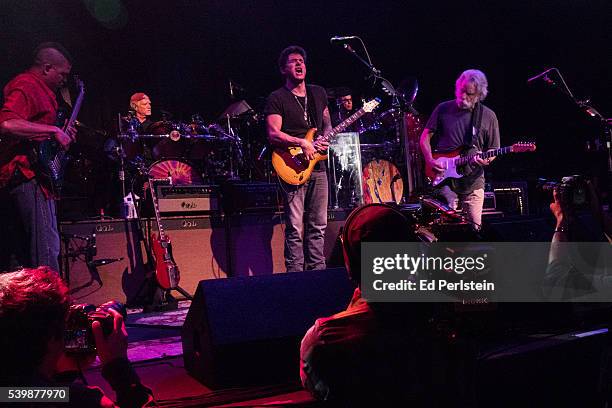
{"x":182,"y":54}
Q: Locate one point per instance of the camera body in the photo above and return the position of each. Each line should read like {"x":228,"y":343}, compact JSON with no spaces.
{"x":78,"y":335}
{"x":572,"y":191}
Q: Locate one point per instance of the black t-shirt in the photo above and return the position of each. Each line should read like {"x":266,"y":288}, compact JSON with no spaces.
{"x":291,"y":108}
{"x":451,"y":128}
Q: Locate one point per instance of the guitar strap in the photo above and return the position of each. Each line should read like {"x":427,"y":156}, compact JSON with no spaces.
{"x":313,"y":119}
{"x":475,"y":122}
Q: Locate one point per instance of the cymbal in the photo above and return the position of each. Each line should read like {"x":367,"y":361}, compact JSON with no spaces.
{"x":237,"y":110}
{"x":337,"y":92}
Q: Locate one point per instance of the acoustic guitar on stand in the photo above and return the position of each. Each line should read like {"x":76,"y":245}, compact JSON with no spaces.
{"x":452,"y":161}
{"x":291,"y":164}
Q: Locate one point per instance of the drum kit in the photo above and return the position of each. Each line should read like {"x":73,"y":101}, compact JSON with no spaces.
{"x":229,"y":147}
{"x":383,"y":148}
{"x":192,"y":153}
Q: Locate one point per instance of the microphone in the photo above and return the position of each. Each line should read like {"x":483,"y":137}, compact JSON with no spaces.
{"x":104,"y":261}
{"x":339,"y":39}
{"x":76,"y":236}
{"x":543,"y":74}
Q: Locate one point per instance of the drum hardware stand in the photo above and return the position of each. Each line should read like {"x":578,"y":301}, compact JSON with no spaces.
{"x":148,"y":294}
{"x":235,"y":140}
{"x":89,"y":250}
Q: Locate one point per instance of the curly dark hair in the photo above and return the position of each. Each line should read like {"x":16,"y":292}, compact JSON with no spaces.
{"x":33,"y":307}
{"x":292,"y":49}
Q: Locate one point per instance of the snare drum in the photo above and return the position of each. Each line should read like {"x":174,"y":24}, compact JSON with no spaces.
{"x":181,"y":172}
{"x":382,"y":182}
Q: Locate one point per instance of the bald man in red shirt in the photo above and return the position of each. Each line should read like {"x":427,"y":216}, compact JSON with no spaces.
{"x":29,"y":116}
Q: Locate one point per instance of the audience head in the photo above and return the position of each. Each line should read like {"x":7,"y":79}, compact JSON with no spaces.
{"x":372,"y":223}
{"x":34,"y":304}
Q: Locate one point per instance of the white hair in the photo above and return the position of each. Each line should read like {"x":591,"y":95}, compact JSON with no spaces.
{"x":476,"y":77}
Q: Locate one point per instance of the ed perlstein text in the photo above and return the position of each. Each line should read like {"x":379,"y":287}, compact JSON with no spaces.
{"x":413,"y":265}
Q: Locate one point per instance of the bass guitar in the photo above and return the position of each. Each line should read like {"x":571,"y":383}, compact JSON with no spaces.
{"x":51,"y":157}
{"x":453,"y":161}
{"x":291,"y":164}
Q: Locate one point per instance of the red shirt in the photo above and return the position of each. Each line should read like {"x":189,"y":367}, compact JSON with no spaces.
{"x":25,"y":97}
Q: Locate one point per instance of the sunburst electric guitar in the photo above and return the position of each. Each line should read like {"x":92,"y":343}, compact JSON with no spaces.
{"x":452,"y":161}
{"x":291,"y":164}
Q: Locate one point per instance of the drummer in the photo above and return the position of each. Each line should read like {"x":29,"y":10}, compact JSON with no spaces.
{"x":344,"y":102}
{"x":140,"y":110}
{"x":140,"y":104}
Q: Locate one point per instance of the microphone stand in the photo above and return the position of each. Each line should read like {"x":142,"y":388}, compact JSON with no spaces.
{"x":373,"y":70}
{"x":585,"y":106}
{"x":387,"y":88}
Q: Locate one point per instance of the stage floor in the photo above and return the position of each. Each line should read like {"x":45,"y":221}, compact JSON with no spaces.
{"x":156,"y":352}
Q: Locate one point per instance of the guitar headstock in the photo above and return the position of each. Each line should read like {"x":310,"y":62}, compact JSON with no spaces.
{"x":79,"y":84}
{"x":371,"y":105}
{"x":523,"y":147}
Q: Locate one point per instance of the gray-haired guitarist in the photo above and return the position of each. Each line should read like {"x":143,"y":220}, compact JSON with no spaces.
{"x":466,"y":124}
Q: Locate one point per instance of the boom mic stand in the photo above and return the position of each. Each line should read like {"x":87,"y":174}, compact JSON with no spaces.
{"x":396,"y":104}
{"x":585,"y":106}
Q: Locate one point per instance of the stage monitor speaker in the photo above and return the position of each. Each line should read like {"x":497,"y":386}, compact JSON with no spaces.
{"x":558,"y":370}
{"x":247,"y":330}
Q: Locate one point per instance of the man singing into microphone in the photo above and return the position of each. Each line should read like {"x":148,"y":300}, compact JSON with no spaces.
{"x":290,"y":112}
{"x":467,"y":124}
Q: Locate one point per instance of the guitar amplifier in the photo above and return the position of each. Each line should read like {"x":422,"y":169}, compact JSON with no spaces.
{"x":511,"y":197}
{"x":250,"y":197}
{"x":190,"y":199}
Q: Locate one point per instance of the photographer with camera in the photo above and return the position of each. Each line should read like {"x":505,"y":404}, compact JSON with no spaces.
{"x":34,"y":311}
{"x":572,"y":268}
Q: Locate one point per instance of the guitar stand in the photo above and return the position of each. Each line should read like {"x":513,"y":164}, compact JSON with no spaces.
{"x":163,"y":300}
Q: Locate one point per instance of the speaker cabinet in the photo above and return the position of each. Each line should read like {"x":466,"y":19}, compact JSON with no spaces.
{"x":198,"y":246}
{"x":117,"y":244}
{"x":247,"y":330}
{"x":256,"y":243}
{"x":333,"y":249}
